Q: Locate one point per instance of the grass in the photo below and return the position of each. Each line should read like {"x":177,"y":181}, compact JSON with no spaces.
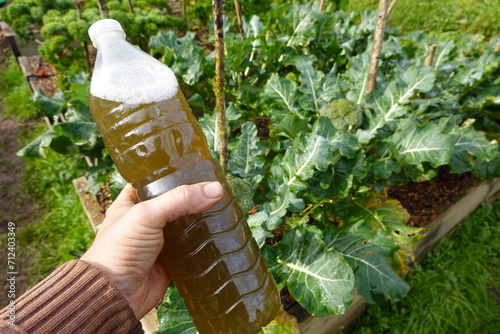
{"x":64,"y":228}
{"x":15,"y":93}
{"x":437,"y":17}
{"x":455,"y":289}
{"x":60,"y":226}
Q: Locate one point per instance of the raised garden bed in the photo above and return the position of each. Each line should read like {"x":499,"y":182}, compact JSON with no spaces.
{"x":438,"y":205}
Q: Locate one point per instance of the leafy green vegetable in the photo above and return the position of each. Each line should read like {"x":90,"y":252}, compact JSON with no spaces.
{"x":344,"y":114}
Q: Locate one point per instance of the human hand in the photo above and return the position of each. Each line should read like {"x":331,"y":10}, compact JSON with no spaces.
{"x":131,"y":237}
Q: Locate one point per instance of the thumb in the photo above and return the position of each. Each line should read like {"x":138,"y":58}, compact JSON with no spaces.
{"x":181,"y":201}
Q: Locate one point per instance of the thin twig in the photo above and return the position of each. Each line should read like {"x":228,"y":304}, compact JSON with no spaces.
{"x":103,"y":9}
{"x":391,"y":7}
{"x":131,"y":7}
{"x":238,"y":16}
{"x":378,"y":39}
{"x":220,"y":101}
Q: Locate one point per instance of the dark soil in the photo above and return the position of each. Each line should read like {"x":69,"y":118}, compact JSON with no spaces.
{"x":424,"y":201}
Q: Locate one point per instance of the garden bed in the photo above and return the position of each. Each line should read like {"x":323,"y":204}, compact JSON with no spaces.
{"x":438,"y":205}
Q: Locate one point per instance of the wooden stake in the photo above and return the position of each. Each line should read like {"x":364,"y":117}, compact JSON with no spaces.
{"x":378,"y":39}
{"x":321,"y":6}
{"x":238,"y":16}
{"x":220,"y":101}
{"x":430,"y":57}
{"x":391,"y":6}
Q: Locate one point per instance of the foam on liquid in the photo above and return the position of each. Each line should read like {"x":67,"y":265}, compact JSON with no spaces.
{"x":134,"y":82}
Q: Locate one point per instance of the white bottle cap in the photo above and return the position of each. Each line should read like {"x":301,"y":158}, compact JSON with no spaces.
{"x":105,"y":26}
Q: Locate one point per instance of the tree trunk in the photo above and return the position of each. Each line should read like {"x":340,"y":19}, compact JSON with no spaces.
{"x":220,"y":102}
{"x":103,"y":9}
{"x":238,"y":16}
{"x":378,"y":39}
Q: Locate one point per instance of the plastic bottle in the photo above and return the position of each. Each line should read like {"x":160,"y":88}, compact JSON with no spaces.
{"x":156,"y":144}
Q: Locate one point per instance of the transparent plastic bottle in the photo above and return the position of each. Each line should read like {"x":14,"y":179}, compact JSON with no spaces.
{"x":156,"y":144}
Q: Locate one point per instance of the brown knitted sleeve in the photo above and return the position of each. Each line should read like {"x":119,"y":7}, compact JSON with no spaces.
{"x":75,"y":298}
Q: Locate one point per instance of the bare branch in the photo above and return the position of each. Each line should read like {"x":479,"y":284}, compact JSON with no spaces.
{"x":103,"y":9}
{"x":391,"y":7}
{"x":238,"y":16}
{"x":220,"y":100}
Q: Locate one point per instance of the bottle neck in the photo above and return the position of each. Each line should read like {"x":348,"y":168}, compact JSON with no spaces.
{"x":107,"y":36}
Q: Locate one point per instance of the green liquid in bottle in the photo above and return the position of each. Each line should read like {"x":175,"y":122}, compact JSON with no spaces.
{"x":212,"y":257}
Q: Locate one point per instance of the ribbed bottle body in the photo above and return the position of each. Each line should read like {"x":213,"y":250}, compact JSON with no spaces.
{"x":212,"y":257}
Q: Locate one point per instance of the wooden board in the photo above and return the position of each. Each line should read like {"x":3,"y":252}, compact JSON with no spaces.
{"x":90,"y":205}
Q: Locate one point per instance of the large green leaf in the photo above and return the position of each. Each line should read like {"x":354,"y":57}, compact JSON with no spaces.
{"x":469,"y":146}
{"x":82,"y":133}
{"x":281,"y":92}
{"x":36,"y":148}
{"x":246,"y":159}
{"x":416,"y":144}
{"x":392,"y":104}
{"x":310,"y":84}
{"x":318,"y":278}
{"x":182,"y":55}
{"x":284,"y":200}
{"x":380,"y":220}
{"x":339,"y":141}
{"x":50,"y":105}
{"x":375,"y":278}
{"x":308,"y":152}
{"x":173,"y":317}
{"x":316,"y":87}
{"x":298,"y":24}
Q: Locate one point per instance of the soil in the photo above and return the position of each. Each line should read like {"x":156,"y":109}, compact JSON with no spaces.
{"x":424,"y":201}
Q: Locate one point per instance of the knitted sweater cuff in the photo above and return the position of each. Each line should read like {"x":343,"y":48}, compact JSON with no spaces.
{"x":75,"y":298}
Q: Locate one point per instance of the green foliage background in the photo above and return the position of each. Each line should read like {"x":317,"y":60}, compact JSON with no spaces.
{"x":316,"y":176}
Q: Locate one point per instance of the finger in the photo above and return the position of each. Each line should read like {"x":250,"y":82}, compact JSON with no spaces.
{"x":127,"y":198}
{"x":178,"y":202}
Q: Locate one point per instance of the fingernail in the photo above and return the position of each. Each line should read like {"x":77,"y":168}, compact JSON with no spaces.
{"x":213,"y":189}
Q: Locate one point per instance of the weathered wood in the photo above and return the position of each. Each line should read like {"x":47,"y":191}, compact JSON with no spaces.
{"x":150,"y":322}
{"x":34,"y":82}
{"x":90,"y":205}
{"x":10,"y":35}
{"x":330,"y":324}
